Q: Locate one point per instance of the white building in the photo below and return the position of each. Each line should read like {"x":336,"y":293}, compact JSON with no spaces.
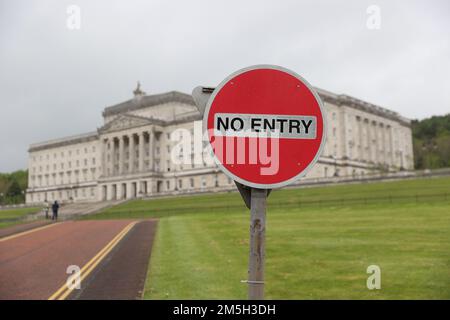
{"x":130,"y":155}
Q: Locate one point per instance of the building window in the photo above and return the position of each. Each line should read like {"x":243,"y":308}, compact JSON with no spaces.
{"x":167,"y":185}
{"x":180,"y":184}
{"x":191,"y":181}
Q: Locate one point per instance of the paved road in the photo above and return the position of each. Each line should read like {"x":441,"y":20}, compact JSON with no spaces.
{"x":5,"y":232}
{"x":34,"y":265}
{"x":122,"y":274}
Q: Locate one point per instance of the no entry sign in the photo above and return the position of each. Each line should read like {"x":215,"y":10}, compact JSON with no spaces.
{"x":265,"y":125}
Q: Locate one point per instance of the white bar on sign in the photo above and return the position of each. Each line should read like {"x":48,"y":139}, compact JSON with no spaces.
{"x":265,"y":125}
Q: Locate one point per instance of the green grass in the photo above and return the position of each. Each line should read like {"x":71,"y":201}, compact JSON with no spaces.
{"x":405,"y":191}
{"x":13,"y":216}
{"x":314,"y":250}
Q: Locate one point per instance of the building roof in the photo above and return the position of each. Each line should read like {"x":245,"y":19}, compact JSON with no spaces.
{"x":176,"y":96}
{"x":85,"y":137}
{"x":346,"y":100}
{"x":143,"y":101}
{"x":148,"y":101}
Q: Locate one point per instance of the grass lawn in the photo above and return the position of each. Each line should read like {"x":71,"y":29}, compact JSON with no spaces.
{"x":12,"y":216}
{"x":314,"y":250}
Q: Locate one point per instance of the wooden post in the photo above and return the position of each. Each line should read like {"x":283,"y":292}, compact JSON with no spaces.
{"x":257,"y":244}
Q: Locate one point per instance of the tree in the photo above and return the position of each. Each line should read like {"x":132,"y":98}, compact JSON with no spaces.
{"x":14,"y":189}
{"x":432,"y":142}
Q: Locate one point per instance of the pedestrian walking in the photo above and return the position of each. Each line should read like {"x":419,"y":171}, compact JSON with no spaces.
{"x":55,"y":208}
{"x":46,"y":208}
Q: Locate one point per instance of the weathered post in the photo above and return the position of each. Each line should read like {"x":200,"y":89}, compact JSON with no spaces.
{"x":257,"y":244}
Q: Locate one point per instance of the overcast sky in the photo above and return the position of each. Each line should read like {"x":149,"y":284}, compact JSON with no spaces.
{"x":55,"y":81}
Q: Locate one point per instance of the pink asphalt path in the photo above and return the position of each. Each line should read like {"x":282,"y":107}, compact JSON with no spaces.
{"x":33,"y":266}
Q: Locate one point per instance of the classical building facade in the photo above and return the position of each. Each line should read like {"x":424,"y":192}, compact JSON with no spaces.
{"x":131,"y":154}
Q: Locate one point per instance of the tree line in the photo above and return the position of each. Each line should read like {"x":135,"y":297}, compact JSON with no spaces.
{"x":431,"y":141}
{"x":13,"y":186}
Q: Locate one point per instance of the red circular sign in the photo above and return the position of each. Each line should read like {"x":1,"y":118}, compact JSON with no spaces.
{"x":265,"y":126}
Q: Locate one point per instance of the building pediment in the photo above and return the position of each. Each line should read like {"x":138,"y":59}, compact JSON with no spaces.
{"x":124,"y":122}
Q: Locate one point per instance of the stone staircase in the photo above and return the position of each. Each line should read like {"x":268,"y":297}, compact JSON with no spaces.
{"x":73,"y":210}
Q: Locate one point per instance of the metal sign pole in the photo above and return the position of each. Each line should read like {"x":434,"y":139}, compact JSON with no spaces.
{"x":257,"y":244}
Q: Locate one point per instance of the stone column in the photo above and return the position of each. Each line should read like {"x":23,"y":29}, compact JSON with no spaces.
{"x":118,"y":191}
{"x":132,"y":152}
{"x":129,"y":187}
{"x":109,"y":195}
{"x":141,"y":151}
{"x":388,"y":143}
{"x":391,"y":145}
{"x":366,"y":140}
{"x":369,"y":142}
{"x":121,"y":154}
{"x":113,"y":155}
{"x":376,"y":143}
{"x":149,"y":187}
{"x":360,"y":138}
{"x":379,"y":142}
{"x":383,"y":145}
{"x":151,"y":147}
{"x":138,"y":188}
{"x":343,"y":134}
{"x":372,"y":147}
{"x":103,"y":156}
